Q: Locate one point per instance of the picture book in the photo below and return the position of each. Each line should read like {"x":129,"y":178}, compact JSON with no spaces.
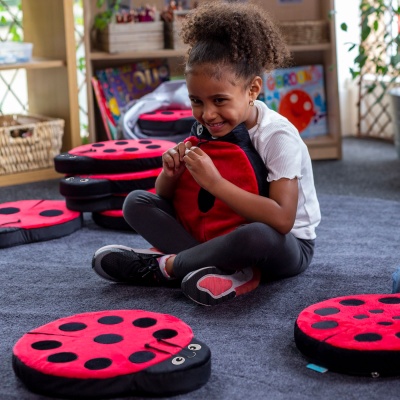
{"x":132,"y":81}
{"x":298,"y":94}
{"x":106,"y":116}
{"x":108,"y":94}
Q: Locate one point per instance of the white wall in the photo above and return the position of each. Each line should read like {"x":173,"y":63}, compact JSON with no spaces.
{"x":347,"y":11}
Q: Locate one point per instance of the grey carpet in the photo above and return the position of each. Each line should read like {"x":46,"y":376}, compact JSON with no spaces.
{"x":251,"y":338}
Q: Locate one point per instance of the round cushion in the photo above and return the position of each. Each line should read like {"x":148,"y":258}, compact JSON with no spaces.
{"x":357,"y":335}
{"x":27,"y":221}
{"x":113,"y":156}
{"x":111,"y":219}
{"x":112,"y":353}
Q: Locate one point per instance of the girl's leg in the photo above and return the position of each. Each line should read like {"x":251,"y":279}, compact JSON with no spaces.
{"x":154,"y":218}
{"x":252,"y":245}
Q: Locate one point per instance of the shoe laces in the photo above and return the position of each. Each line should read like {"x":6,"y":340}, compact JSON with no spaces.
{"x":146,"y":266}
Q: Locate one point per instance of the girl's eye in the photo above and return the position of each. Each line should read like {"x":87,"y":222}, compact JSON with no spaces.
{"x":195,"y":101}
{"x":219,"y":100}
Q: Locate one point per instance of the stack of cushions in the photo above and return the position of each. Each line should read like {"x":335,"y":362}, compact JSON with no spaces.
{"x":100,"y":175}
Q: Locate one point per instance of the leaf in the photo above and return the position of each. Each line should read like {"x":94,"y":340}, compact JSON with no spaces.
{"x":343,"y":27}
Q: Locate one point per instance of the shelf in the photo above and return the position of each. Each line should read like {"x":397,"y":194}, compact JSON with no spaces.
{"x":30,"y":176}
{"x":35,"y":63}
{"x":136,"y":55}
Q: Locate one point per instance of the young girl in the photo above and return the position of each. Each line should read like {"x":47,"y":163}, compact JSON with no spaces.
{"x":230,"y":46}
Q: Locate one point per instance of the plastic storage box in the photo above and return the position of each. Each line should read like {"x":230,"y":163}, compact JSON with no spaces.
{"x":15,"y":52}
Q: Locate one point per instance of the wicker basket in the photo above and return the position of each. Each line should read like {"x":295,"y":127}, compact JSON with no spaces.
{"x":305,"y":32}
{"x":29,"y":142}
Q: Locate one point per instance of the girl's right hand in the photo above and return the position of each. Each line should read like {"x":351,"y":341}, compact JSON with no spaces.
{"x":172,"y":160}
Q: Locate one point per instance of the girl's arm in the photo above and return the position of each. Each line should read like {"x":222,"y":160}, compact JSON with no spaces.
{"x":278,"y":211}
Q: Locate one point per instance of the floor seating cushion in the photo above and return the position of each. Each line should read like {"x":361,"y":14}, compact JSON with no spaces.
{"x":27,"y":221}
{"x":111,"y":354}
{"x":111,"y":219}
{"x":104,"y":203}
{"x":204,"y":216}
{"x":166,"y":122}
{"x":102,"y":185}
{"x":356,"y":335}
{"x":113,"y":156}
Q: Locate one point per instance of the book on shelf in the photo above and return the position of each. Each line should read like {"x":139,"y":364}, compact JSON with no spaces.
{"x":106,"y":116}
{"x":298,"y":93}
{"x":132,"y":81}
{"x":108,"y":94}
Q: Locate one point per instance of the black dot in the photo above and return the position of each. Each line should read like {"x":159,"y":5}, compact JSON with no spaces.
{"x":327,"y":311}
{"x":352,"y":302}
{"x":141,"y":357}
{"x":62,"y":357}
{"x":131,"y":149}
{"x":367,"y":337}
{"x":361,"y":316}
{"x":144,"y":141}
{"x":121,"y":142}
{"x":385,"y":323}
{"x":396,"y":317}
{"x":108,"y":338}
{"x":9,"y":210}
{"x":98,"y":363}
{"x":51,"y":213}
{"x":397,"y":334}
{"x":110,"y":320}
{"x":166,"y":112}
{"x":46,"y":345}
{"x":144,"y":322}
{"x":98,"y":145}
{"x":325,"y":325}
{"x":378,"y":311}
{"x":110,"y":151}
{"x":153,"y":146}
{"x":72,"y":326}
{"x":390,"y":300}
{"x":165,"y":333}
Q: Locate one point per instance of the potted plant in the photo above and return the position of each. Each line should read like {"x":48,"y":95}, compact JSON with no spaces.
{"x":379,"y":58}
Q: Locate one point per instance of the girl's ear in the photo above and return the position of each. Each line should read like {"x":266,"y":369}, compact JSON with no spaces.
{"x":255,"y":87}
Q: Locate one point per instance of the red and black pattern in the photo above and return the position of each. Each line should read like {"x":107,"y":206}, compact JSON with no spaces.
{"x":102,"y":185}
{"x":28,"y":221}
{"x":111,"y":219}
{"x":357,"y":335}
{"x":166,"y":122}
{"x":112,"y":353}
{"x":113,"y":156}
{"x":204,"y":216}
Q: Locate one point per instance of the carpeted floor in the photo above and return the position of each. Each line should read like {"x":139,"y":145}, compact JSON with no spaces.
{"x":251,"y":338}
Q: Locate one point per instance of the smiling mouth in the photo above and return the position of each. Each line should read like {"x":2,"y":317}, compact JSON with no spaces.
{"x":215,"y":125}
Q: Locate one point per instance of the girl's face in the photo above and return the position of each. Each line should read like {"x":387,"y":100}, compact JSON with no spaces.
{"x":221,"y":104}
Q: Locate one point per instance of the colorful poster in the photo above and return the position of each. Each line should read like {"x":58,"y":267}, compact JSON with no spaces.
{"x":298,"y":94}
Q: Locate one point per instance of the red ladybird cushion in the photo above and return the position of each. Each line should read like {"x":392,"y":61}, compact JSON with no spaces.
{"x":113,"y":156}
{"x":111,"y":219}
{"x":101,"y":185}
{"x":357,"y":335}
{"x":166,"y":122}
{"x":204,"y":216}
{"x":27,"y":221}
{"x":110,"y":354}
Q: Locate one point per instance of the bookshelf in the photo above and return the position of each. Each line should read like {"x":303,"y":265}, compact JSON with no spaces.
{"x":51,"y":75}
{"x":323,"y":147}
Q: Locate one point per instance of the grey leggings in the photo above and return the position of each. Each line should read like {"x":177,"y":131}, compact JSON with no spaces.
{"x":254,"y":244}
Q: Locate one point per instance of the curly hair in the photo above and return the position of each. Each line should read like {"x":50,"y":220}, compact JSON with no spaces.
{"x":240,"y":35}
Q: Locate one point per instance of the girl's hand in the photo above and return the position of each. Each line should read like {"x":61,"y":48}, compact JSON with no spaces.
{"x":201,"y":167}
{"x":172,"y":160}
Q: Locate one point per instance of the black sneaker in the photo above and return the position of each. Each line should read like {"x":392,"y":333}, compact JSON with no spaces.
{"x":210,"y":286}
{"x":124,"y":264}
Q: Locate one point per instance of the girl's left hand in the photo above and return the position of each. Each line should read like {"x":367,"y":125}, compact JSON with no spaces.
{"x":201,"y":167}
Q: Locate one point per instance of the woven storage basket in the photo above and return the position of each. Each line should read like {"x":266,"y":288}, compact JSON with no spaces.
{"x":29,"y":142}
{"x":305,"y":32}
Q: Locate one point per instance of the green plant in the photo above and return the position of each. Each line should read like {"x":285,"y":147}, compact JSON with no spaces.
{"x":103,"y":18}
{"x":378,"y":51}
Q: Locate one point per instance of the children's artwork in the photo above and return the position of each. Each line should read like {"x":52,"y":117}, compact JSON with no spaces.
{"x":133,"y":81}
{"x":108,"y":94}
{"x":298,"y":94}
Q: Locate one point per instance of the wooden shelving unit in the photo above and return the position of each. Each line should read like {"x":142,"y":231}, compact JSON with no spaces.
{"x":323,"y":147}
{"x":51,"y":75}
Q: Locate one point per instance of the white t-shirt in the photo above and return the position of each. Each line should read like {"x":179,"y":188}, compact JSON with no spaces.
{"x":286,"y":156}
